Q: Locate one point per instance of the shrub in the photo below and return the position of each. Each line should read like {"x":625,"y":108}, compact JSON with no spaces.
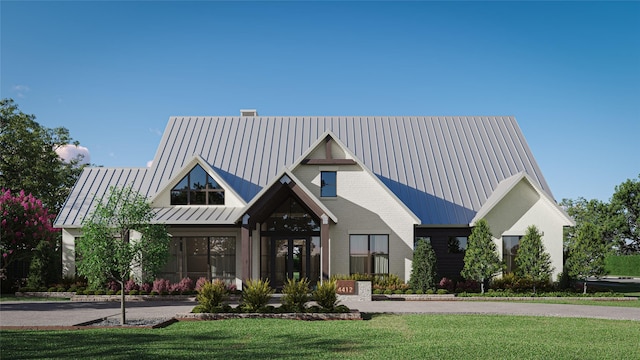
{"x":325,"y":295}
{"x":388,"y":292}
{"x":200,"y":282}
{"x":113,"y":285}
{"x":161,"y":286}
{"x":448,"y":284}
{"x":212,"y":295}
{"x":256,"y":295}
{"x":409,"y":292}
{"x":134,"y":292}
{"x":51,"y":289}
{"x":146,"y":287}
{"x":430,"y":292}
{"x":61,"y":289}
{"x":111,"y":292}
{"x":626,"y":265}
{"x":398,"y":292}
{"x":442,"y":291}
{"x":423,"y":269}
{"x":468,"y":286}
{"x":184,"y":286}
{"x":153,"y":292}
{"x":377,"y":291}
{"x":99,"y":292}
{"x":130,"y":285}
{"x":420,"y":292}
{"x":296,"y":294}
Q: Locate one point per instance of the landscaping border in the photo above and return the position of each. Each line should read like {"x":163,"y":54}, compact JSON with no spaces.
{"x":452,"y":297}
{"x":353,"y":315}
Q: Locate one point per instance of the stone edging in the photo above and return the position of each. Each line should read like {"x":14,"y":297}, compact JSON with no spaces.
{"x":353,"y":315}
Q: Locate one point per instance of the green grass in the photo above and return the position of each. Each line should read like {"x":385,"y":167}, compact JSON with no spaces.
{"x":631,"y":303}
{"x":381,"y":337}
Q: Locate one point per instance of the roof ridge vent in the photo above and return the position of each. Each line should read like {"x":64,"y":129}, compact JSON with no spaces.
{"x":248,"y":112}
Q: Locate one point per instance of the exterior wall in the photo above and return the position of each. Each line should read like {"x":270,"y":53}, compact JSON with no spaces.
{"x":449,"y":264}
{"x":69,"y":236}
{"x":523,"y":207}
{"x":362,"y":206}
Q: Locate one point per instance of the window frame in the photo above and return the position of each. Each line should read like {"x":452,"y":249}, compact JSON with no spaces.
{"x":370,"y":263}
{"x":510,"y":259}
{"x":188,"y":192}
{"x":327,"y":186}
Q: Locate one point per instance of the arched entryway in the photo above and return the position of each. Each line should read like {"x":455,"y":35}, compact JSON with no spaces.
{"x":291,"y":229}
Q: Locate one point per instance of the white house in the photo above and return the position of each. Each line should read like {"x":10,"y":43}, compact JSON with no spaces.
{"x":297,"y":196}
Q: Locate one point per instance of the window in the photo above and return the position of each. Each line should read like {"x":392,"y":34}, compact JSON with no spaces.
{"x":510,"y":245}
{"x":427,"y":239}
{"x":369,"y":254}
{"x":457,"y":244}
{"x":197,"y":188}
{"x":222,"y":250}
{"x":328,"y":184}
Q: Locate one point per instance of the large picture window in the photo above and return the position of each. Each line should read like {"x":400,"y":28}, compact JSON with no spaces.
{"x":211,"y":257}
{"x":369,"y":254}
{"x":197,"y":188}
{"x":510,"y":245}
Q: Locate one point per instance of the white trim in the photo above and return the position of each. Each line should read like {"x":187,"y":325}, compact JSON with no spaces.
{"x":496,"y":197}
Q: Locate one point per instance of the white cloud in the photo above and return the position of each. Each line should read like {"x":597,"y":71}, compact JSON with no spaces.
{"x":20,"y":90}
{"x":149,"y":163}
{"x":155,"y":131}
{"x":69,"y":152}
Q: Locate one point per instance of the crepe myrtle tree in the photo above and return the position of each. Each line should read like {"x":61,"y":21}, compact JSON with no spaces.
{"x":532,"y":260}
{"x":25,"y":224}
{"x":586,"y":255}
{"x":481,"y":261}
{"x":108,"y":249}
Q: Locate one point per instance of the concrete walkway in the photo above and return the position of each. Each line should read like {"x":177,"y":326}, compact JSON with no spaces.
{"x":67,"y":313}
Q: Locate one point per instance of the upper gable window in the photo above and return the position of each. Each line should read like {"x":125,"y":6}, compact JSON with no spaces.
{"x":197,"y":188}
{"x":328,"y":186}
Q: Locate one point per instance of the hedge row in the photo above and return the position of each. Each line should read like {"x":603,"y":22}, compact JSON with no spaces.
{"x":623,"y":265}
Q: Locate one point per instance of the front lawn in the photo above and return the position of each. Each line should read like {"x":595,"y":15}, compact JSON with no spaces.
{"x":381,"y":337}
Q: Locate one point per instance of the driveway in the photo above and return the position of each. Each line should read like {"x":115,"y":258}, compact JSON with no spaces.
{"x":67,"y":313}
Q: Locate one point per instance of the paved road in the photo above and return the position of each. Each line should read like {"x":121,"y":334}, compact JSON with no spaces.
{"x":67,"y":313}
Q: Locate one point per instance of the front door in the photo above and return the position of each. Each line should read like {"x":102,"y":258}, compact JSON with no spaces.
{"x":293,"y":257}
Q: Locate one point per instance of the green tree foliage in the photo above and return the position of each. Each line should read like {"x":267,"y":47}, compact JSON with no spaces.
{"x":625,"y":216}
{"x":423,"y":269}
{"x":532,"y":260}
{"x":28,"y":160}
{"x":481,"y":261}
{"x":586,"y":254}
{"x":108,"y":249}
{"x":617,"y":221}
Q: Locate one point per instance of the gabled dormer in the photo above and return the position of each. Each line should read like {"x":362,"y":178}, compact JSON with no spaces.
{"x":197,"y":184}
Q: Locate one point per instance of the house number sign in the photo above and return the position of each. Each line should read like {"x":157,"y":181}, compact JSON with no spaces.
{"x":346,"y":287}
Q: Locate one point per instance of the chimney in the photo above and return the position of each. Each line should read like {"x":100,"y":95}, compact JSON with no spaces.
{"x":248,"y":112}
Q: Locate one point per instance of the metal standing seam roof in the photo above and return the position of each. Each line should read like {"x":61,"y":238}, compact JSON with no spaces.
{"x":442,"y":168}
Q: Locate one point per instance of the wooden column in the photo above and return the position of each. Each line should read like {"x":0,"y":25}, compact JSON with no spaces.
{"x":245,"y":233}
{"x":324,"y":246}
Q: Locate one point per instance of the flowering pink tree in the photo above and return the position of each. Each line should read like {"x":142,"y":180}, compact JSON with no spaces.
{"x":25,"y":223}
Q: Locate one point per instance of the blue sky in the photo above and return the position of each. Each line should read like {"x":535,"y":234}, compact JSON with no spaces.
{"x":114,"y":72}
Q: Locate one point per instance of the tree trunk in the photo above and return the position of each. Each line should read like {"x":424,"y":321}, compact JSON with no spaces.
{"x":584,"y":287}
{"x":123,"y":319}
{"x":482,"y":286}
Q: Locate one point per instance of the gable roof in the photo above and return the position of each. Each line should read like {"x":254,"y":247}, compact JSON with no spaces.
{"x":505,"y":187}
{"x":442,"y":168}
